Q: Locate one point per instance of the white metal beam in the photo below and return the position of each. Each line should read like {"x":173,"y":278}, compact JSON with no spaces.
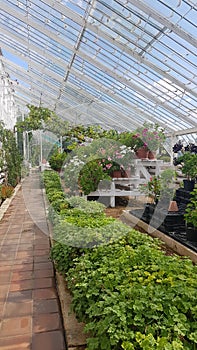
{"x":184,"y":132}
{"x":135,"y":87}
{"x":164,"y":21}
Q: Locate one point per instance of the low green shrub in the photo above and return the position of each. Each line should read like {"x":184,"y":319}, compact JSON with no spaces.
{"x":132,"y":296}
{"x":64,"y":256}
{"x":91,"y":235}
{"x":80,"y":204}
{"x":128,"y":292}
{"x":6,"y":191}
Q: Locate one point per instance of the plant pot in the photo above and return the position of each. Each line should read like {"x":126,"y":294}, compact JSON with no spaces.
{"x":173,"y":207}
{"x":117,"y":174}
{"x":142,"y":153}
{"x":148,"y":212}
{"x":151,"y":155}
{"x":128,"y":173}
{"x":191,"y":233}
{"x":188,"y":185}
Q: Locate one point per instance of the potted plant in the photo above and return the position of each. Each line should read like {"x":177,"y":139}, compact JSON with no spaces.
{"x":188,"y":163}
{"x":191,"y":217}
{"x":158,"y":187}
{"x":149,"y":137}
{"x":90,"y":176}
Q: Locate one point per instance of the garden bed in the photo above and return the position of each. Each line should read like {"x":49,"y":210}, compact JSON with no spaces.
{"x":128,"y":292}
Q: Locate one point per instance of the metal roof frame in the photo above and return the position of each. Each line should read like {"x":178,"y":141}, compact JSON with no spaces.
{"x":115,"y":62}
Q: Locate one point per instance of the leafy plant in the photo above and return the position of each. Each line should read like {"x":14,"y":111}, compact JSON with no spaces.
{"x":152,"y":188}
{"x":189,"y":165}
{"x":90,"y":176}
{"x":160,"y":185}
{"x":6,"y":191}
{"x":130,"y":295}
{"x":150,"y":135}
{"x":56,"y":160}
{"x":81,"y":205}
{"x":10,"y":156}
{"x":130,"y":302}
{"x":191,"y":209}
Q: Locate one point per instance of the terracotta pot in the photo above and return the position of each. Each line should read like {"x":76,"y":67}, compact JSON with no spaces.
{"x":117,"y":173}
{"x":142,"y":153}
{"x":151,"y":155}
{"x":173,"y":207}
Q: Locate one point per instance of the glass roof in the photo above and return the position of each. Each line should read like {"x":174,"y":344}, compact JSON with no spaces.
{"x":112,"y":62}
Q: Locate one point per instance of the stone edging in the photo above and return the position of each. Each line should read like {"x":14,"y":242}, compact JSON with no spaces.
{"x":169,"y":241}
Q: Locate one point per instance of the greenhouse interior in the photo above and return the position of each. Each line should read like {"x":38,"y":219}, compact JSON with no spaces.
{"x":98,"y":175}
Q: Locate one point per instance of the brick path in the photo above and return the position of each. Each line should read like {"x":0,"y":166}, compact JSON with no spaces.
{"x":30,"y":316}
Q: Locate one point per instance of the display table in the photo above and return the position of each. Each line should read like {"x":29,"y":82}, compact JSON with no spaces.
{"x":147,"y":168}
{"x":110,"y":188}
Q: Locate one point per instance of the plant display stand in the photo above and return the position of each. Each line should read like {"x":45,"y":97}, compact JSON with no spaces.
{"x":123,"y":186}
{"x":147,"y":168}
{"x":118,"y":187}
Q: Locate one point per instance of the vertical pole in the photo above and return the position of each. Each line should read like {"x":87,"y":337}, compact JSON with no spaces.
{"x":61,"y":148}
{"x":41,"y":149}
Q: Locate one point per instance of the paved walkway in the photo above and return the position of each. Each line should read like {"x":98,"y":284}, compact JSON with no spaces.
{"x":30,"y":316}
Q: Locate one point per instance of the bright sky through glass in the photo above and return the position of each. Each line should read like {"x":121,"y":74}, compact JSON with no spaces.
{"x":119,"y":62}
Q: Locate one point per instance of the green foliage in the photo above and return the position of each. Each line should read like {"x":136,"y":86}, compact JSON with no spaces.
{"x":77,"y":233}
{"x":57,"y":159}
{"x":152,"y":136}
{"x":35,"y":118}
{"x":152,"y":188}
{"x":6,"y":191}
{"x":81,"y":132}
{"x":189,"y":164}
{"x":10,"y":156}
{"x":80,"y":205}
{"x":40,"y":118}
{"x":51,"y":180}
{"x":64,"y":256}
{"x":90,"y":176}
{"x":128,"y":139}
{"x":191,"y":209}
{"x":88,"y":165}
{"x":132,"y":296}
{"x":160,"y":185}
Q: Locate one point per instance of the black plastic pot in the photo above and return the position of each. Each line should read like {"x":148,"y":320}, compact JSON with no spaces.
{"x":191,"y":233}
{"x":148,"y":212}
{"x":188,"y":185}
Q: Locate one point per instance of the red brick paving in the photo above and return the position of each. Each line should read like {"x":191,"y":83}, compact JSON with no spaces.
{"x":30,"y":317}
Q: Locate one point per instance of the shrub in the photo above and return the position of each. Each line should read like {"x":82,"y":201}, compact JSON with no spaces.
{"x":132,"y":296}
{"x":6,"y":191}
